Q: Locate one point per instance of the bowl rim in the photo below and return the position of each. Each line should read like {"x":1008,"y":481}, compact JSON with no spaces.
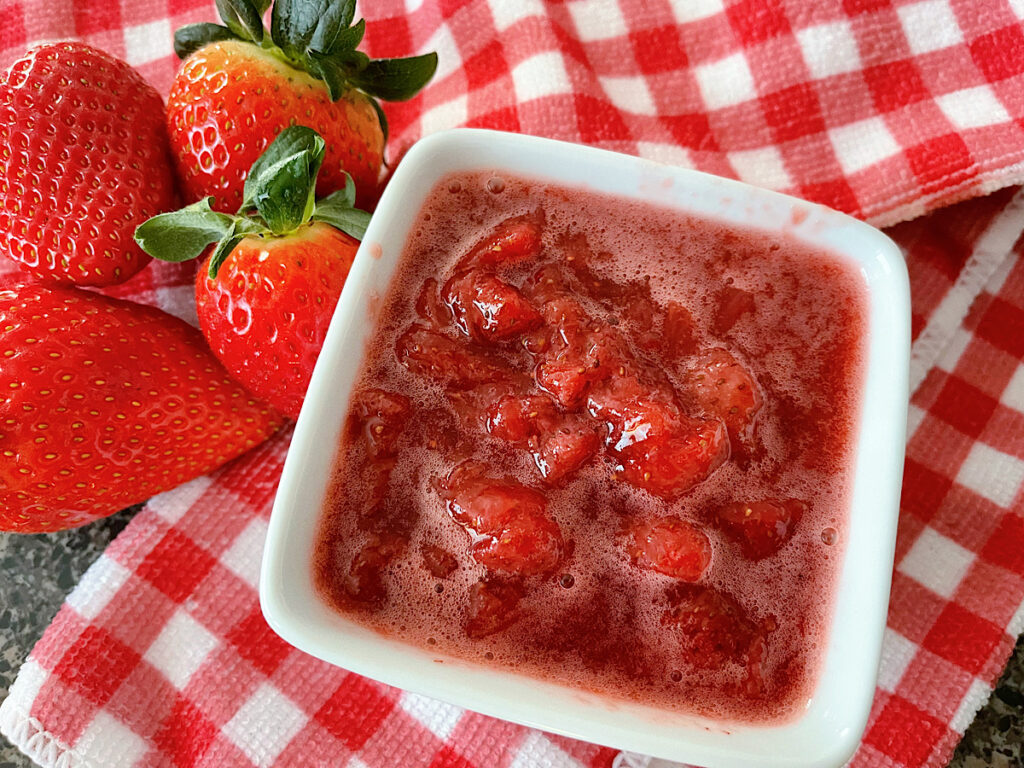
{"x":829,"y":729}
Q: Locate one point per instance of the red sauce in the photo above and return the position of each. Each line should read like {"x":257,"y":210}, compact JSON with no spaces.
{"x":603,"y":443}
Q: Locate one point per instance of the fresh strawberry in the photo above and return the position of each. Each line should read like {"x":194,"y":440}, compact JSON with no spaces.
{"x":83,"y":161}
{"x":266,"y":293}
{"x":240,"y":87}
{"x":761,"y":527}
{"x":510,"y":524}
{"x":670,"y":546}
{"x":104,"y":403}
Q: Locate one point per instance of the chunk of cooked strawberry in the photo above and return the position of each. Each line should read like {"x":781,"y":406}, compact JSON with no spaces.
{"x":489,"y":309}
{"x":512,"y":241}
{"x":560,"y":443}
{"x":511,"y":528}
{"x":670,"y":546}
{"x":726,"y":389}
{"x":549,"y":284}
{"x":761,"y":527}
{"x":430,"y":307}
{"x":580,"y":258}
{"x":365,"y":581}
{"x":517,"y":418}
{"x":458,"y":365}
{"x":627,"y":396}
{"x":670,"y":463}
{"x":566,"y":380}
{"x":643,"y":316}
{"x":715,"y":630}
{"x":567,"y":449}
{"x":733,"y":304}
{"x":491,"y":606}
{"x":380,"y":416}
{"x":579,"y":358}
{"x":678,"y":335}
{"x":438,"y":561}
{"x":658,"y":448}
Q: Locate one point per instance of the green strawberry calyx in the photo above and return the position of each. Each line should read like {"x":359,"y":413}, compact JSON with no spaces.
{"x":316,"y":36}
{"x":278,"y":199}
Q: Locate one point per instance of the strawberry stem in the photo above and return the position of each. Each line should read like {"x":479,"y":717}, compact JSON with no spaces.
{"x":318,"y":37}
{"x":278,"y":199}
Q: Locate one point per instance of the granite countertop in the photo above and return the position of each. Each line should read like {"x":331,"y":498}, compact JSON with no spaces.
{"x":36,"y":572}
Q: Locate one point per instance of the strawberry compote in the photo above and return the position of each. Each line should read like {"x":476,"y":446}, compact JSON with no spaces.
{"x":603,"y":443}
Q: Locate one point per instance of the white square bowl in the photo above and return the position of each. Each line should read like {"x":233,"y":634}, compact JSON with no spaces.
{"x":828,"y":730}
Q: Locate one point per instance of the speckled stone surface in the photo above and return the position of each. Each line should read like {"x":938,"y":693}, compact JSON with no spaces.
{"x":36,"y":572}
{"x":996,"y":737}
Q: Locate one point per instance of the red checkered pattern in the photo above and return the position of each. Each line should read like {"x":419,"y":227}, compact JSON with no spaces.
{"x":888,"y":109}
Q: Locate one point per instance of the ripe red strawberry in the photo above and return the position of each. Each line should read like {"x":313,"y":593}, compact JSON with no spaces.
{"x":240,"y":87}
{"x":104,"y":403}
{"x":266,"y":293}
{"x":83,"y":161}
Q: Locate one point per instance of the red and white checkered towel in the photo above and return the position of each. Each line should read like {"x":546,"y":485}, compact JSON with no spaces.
{"x":889,"y":109}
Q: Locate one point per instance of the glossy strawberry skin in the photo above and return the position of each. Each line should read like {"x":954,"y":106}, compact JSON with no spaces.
{"x":230,"y":100}
{"x":559,"y":443}
{"x":104,"y":403}
{"x":266,"y":312}
{"x":83,"y":160}
{"x":488,"y":309}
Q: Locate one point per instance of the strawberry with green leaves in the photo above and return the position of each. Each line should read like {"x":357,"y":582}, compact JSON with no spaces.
{"x":240,"y":86}
{"x":267,"y":291}
{"x":104,"y":403}
{"x":83,"y":161}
